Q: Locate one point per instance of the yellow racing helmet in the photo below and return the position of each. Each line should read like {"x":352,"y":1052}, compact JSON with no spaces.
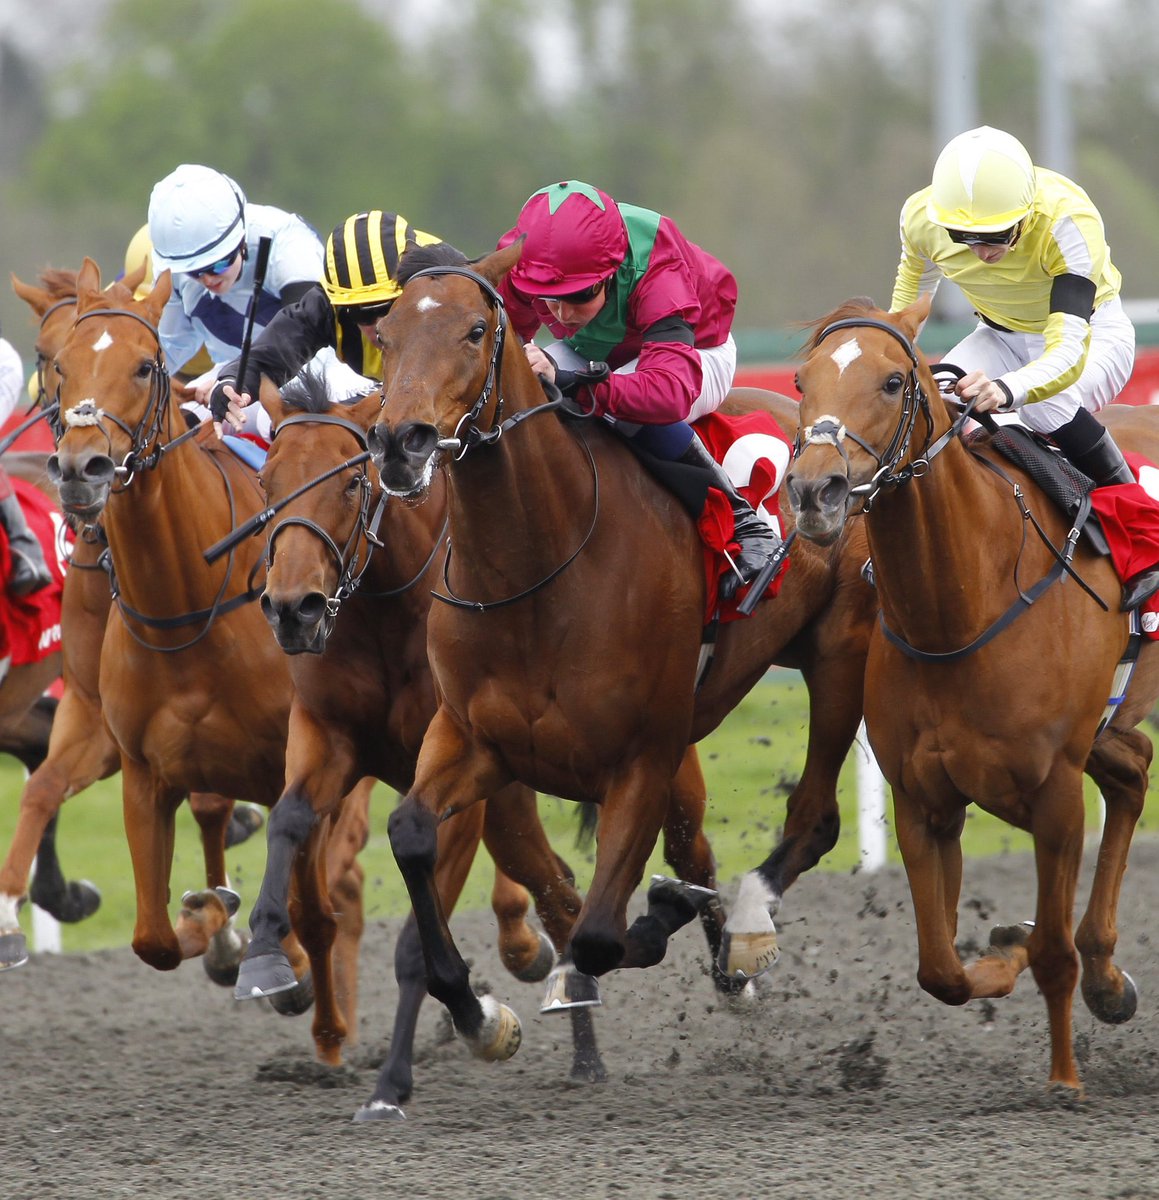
{"x":362,"y":256}
{"x":983,"y":182}
{"x":140,"y":250}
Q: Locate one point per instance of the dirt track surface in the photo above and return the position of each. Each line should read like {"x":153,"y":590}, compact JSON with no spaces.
{"x":847,"y":1081}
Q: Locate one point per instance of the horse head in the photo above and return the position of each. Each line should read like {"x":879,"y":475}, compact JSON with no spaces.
{"x":863,"y":387}
{"x":316,"y":469}
{"x":112,"y":388}
{"x":442,"y":351}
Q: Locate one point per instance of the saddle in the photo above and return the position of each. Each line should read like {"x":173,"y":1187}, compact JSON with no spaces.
{"x":1061,"y":481}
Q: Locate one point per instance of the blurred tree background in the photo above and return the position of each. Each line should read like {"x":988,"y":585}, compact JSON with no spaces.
{"x":782,"y":135}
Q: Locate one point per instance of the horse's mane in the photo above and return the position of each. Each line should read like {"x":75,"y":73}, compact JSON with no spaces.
{"x":858,"y":306}
{"x":58,"y":282}
{"x":419,"y":258}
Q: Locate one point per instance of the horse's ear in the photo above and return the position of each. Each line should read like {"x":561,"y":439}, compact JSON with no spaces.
{"x":133,"y":279}
{"x":88,"y":281}
{"x":271,"y":400}
{"x":913,"y":318}
{"x":155,"y":301}
{"x":496,"y":265}
{"x":36,"y":298}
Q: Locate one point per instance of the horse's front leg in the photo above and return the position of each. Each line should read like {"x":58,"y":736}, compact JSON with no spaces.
{"x":673,"y":903}
{"x":812,"y":818}
{"x":632,"y":813}
{"x":150,"y":807}
{"x":453,"y":773}
{"x":1119,"y":764}
{"x":346,"y":882}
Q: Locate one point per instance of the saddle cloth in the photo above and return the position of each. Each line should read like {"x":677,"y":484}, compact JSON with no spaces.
{"x":1128,"y":513}
{"x":30,"y":625}
{"x":755,"y":454}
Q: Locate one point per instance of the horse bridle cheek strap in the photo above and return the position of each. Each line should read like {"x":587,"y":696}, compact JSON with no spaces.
{"x":467,"y":434}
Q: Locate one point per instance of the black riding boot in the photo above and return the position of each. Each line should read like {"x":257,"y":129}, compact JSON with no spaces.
{"x":755,"y":537}
{"x":29,"y":572}
{"x":1104,"y":463}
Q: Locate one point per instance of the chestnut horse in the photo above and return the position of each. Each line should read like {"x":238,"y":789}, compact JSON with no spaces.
{"x":192,"y":688}
{"x":566,"y":644}
{"x":983,"y":686}
{"x":79,"y":750}
{"x":348,"y":594}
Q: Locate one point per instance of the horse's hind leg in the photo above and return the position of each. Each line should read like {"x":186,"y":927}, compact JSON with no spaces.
{"x":80,"y":751}
{"x":346,"y":881}
{"x":812,"y":819}
{"x":1118,"y":763}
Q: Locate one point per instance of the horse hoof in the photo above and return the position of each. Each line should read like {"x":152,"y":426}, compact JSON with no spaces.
{"x":244,"y":822}
{"x":13,"y":950}
{"x":379,"y":1110}
{"x":569,"y":988}
{"x":750,"y":997}
{"x":80,"y":900}
{"x":1109,"y":1008}
{"x":1005,"y":937}
{"x":230,"y":899}
{"x":663,"y":888}
{"x":748,"y":955}
{"x":222,"y":960}
{"x":540,"y":967}
{"x":264,"y":975}
{"x":500,"y":1034}
{"x":293,"y":1002}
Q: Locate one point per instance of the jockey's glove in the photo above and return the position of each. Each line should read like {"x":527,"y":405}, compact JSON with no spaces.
{"x":219,"y":402}
{"x":589,"y":376}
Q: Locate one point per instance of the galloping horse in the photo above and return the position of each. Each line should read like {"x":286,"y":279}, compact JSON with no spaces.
{"x":566,"y":643}
{"x":983,"y":686}
{"x":353,"y":578}
{"x":79,"y":750}
{"x":192,"y":688}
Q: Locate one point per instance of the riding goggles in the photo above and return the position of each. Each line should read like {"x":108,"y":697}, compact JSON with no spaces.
{"x":368,"y":314}
{"x":217,"y":268}
{"x":1002,"y":237}
{"x":580,"y":297}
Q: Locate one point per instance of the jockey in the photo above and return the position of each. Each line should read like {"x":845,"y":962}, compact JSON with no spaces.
{"x":206,"y":234}
{"x":359,"y":283}
{"x":28,"y":570}
{"x":1028,"y":249}
{"x":622,"y":285}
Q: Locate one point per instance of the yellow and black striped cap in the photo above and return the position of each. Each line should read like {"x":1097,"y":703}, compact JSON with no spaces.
{"x":362,"y":257}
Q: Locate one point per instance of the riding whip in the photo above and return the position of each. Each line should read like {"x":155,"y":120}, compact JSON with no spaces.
{"x":260,"y":263}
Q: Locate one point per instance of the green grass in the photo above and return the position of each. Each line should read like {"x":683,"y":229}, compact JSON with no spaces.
{"x":750,"y":764}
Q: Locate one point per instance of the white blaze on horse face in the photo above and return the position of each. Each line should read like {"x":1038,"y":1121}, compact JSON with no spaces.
{"x":427,"y":304}
{"x":845,"y":354}
{"x":103,"y":342}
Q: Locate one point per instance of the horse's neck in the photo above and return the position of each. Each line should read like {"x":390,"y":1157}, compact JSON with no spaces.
{"x":943,"y":546}
{"x":161,"y":522}
{"x":522,"y":502}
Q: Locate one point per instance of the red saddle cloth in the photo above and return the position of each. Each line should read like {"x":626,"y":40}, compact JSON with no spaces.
{"x":1129,"y":513}
{"x":30,"y":625}
{"x":755,"y":453}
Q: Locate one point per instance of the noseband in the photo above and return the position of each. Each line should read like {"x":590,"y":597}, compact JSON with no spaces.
{"x":828,"y":430}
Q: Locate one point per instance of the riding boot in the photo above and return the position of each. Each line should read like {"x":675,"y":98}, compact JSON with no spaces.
{"x":29,"y":572}
{"x":756,"y":539}
{"x":1104,"y":463}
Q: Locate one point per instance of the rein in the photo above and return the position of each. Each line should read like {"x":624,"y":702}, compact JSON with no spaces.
{"x":148,"y":431}
{"x":468,"y":436}
{"x":828,"y":430}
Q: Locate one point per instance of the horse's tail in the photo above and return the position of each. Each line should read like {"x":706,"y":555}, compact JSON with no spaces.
{"x":589,"y":819}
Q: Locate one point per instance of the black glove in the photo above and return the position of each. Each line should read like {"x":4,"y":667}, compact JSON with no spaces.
{"x":589,"y":376}
{"x":219,"y":403}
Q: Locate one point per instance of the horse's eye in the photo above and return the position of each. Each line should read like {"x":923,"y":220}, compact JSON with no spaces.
{"x":478,"y":331}
{"x":57,"y":368}
{"x":894,"y":383}
{"x":353,"y":486}
{"x":797,"y":385}
{"x":145,"y":370}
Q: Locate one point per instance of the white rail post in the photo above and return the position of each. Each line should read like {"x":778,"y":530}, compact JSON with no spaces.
{"x":871,"y":834}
